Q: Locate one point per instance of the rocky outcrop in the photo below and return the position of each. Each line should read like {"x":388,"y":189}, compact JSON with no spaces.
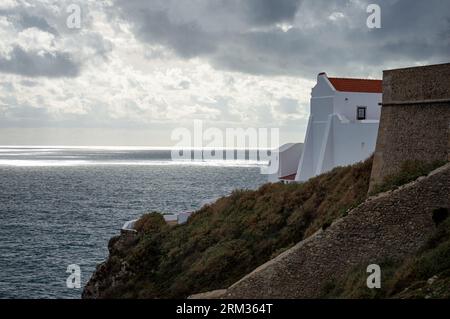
{"x":102,"y":278}
{"x":391,"y":226}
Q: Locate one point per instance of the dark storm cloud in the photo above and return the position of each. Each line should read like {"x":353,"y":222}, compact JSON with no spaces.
{"x":190,"y":35}
{"x":38,"y":62}
{"x":188,"y":40}
{"x":30,"y":21}
{"x":35,"y":64}
{"x":23,"y":20}
{"x":241,"y":35}
{"x":265,"y":12}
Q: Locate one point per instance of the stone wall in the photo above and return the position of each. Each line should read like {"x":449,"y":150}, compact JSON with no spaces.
{"x":415,"y":119}
{"x":390,"y":225}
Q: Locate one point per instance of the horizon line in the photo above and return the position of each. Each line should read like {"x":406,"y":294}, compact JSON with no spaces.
{"x":128,"y":147}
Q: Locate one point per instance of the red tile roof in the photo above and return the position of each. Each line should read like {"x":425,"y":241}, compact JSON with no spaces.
{"x":357,"y":85}
{"x":289,"y":177}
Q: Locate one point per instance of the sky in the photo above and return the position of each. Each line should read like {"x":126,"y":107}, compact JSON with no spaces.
{"x":136,"y":70}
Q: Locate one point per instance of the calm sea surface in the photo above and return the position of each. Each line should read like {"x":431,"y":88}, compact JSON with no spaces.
{"x":60,"y":206}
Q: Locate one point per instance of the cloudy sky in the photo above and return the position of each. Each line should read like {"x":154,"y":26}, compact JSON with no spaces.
{"x":137,"y":69}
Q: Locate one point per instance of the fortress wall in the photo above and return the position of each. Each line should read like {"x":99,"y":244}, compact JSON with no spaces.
{"x":415,"y":119}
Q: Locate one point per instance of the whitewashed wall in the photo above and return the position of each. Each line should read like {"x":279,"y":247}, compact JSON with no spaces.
{"x":348,"y":107}
{"x":288,"y":159}
{"x":334,"y":136}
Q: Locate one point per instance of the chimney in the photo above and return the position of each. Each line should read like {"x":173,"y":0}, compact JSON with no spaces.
{"x":321,"y":74}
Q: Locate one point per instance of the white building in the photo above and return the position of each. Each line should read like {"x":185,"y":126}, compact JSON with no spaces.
{"x":343,"y":124}
{"x":129,"y":226}
{"x":171,"y":219}
{"x":287,"y":158}
{"x":177,"y":218}
{"x":183,"y":217}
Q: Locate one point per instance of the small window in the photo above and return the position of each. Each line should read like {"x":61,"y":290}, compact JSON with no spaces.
{"x":361,"y":113}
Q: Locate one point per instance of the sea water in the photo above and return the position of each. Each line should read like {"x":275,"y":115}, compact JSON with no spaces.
{"x":59,"y":206}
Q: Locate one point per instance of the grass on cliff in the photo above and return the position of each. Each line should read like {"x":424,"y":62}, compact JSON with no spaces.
{"x":224,"y":241}
{"x":424,"y":275}
{"x":409,"y":171}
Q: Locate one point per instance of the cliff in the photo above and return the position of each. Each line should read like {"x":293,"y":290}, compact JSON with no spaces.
{"x":225,"y":241}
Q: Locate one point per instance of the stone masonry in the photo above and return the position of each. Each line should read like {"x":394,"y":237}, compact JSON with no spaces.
{"x":415,"y":119}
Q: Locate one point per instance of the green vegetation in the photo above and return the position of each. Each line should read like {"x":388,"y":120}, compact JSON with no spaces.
{"x":425,"y":275}
{"x":409,"y":171}
{"x":224,"y":241}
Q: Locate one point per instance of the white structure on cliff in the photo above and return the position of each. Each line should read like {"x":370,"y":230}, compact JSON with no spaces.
{"x":342,"y":128}
{"x":343,"y":124}
{"x":170,"y":219}
{"x":287,"y":159}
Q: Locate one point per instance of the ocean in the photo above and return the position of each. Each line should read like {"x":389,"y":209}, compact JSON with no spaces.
{"x":60,"y":206}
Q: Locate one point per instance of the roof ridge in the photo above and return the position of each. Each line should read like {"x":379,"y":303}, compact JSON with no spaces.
{"x":357,"y":85}
{"x":340,"y":78}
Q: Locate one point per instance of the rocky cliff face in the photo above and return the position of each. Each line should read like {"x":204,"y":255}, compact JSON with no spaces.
{"x":106,"y":277}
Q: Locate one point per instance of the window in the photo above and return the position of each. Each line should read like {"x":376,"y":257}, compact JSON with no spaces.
{"x":361,"y":113}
